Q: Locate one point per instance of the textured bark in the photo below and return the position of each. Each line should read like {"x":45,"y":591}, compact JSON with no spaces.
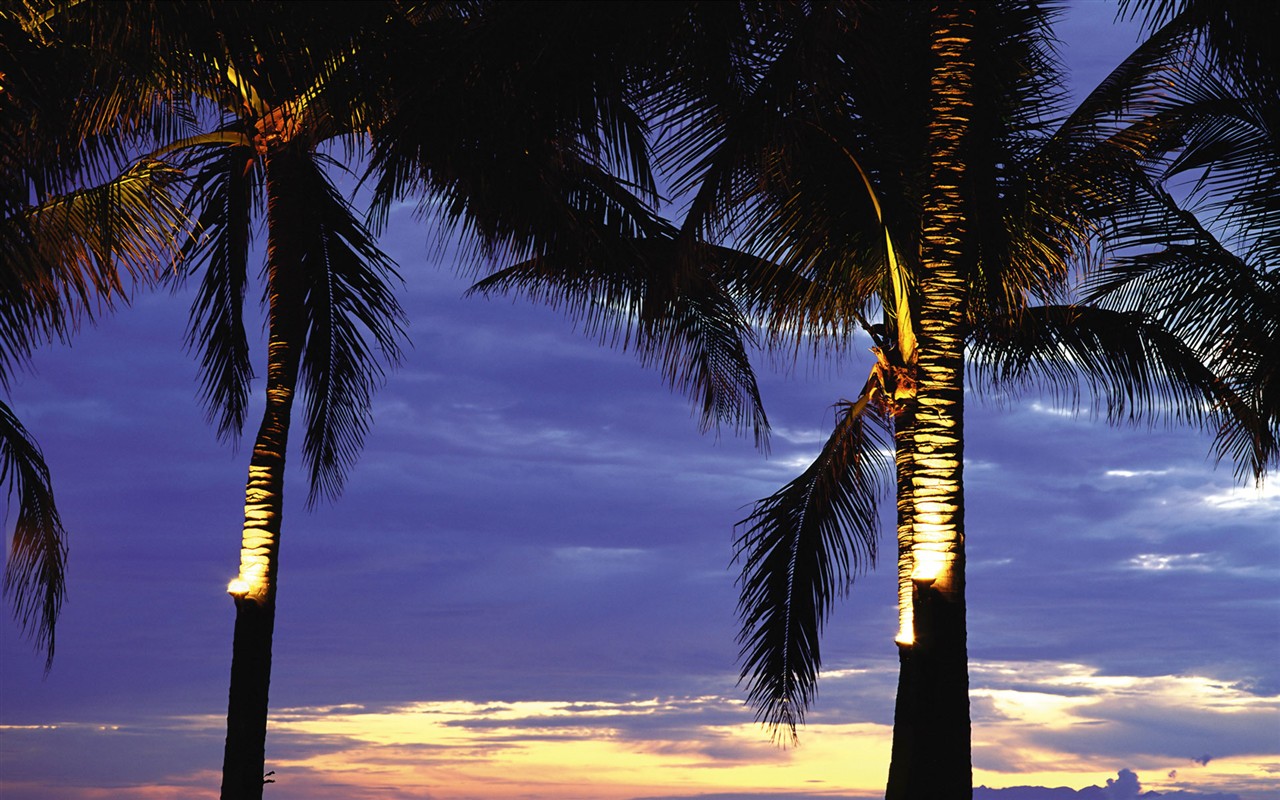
{"x":904,"y":462}
{"x":904,"y":713}
{"x":933,"y":712}
{"x":245,"y":753}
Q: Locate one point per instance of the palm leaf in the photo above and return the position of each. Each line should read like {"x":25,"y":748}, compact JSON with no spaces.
{"x":770,"y":157}
{"x":646,"y":294}
{"x":353,"y":322}
{"x":223,"y":191}
{"x":35,"y":571}
{"x":68,"y":257}
{"x":1128,"y":366}
{"x":1133,"y":369}
{"x":1232,"y":150}
{"x":1229,"y":313}
{"x":518,"y":143}
{"x":800,"y":549}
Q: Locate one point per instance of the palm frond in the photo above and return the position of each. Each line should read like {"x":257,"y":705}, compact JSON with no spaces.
{"x":1111,"y":359}
{"x":1133,"y":369}
{"x":800,"y":549}
{"x":1232,"y":152}
{"x":73,"y":255}
{"x":223,"y":192}
{"x":35,"y":571}
{"x":1225,"y":309}
{"x":354,"y":324}
{"x":518,"y":142}
{"x":1236,"y":37}
{"x":665,"y":299}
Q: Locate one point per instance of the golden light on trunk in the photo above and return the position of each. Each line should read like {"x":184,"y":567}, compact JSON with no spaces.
{"x":258,"y":539}
{"x":931,"y":567}
{"x":906,"y":617}
{"x":930,"y":470}
{"x":932,"y":744}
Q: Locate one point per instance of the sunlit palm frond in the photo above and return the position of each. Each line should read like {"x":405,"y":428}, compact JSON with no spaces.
{"x":71,"y":256}
{"x":35,"y":570}
{"x":354,"y":324}
{"x":90,"y":239}
{"x":97,"y":83}
{"x":800,"y":549}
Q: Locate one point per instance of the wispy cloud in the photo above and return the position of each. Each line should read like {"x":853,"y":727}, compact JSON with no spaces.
{"x":1263,"y":499}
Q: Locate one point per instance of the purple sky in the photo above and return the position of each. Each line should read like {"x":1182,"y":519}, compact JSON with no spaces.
{"x":529,"y":572}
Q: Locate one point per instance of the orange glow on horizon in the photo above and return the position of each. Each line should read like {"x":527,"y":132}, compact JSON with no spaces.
{"x":696,"y":745}
{"x":581,"y":751}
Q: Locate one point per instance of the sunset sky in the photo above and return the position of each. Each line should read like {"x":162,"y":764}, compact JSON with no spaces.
{"x":526,"y":589}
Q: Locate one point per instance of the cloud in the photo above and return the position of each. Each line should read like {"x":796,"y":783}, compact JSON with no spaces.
{"x":1125,"y":786}
{"x":760,"y":796}
{"x":82,"y":755}
{"x":1074,"y":708}
{"x":1189,"y":561}
{"x":1142,"y":473}
{"x":1263,"y":499}
{"x":802,"y":436}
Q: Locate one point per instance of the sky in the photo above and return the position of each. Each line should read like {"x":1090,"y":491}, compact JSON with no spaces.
{"x":526,"y":589}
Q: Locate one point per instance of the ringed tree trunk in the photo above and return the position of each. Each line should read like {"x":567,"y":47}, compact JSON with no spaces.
{"x":254,"y":590}
{"x":904,"y":714}
{"x":932,"y":731}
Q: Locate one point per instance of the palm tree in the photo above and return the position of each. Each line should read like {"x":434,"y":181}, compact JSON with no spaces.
{"x":265,"y":79}
{"x":867,"y":156}
{"x":996,"y":224}
{"x":520,"y":169}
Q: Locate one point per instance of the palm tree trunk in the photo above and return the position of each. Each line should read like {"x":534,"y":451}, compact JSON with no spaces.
{"x":904,"y":714}
{"x":937,"y":681}
{"x":254,"y":590}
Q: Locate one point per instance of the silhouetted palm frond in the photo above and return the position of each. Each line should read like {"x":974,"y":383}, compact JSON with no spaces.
{"x":35,"y":570}
{"x":520,"y":143}
{"x":1228,"y":312}
{"x":1231,"y":157}
{"x":354,"y":324}
{"x":223,"y":194}
{"x":1237,"y":38}
{"x":644,"y":295}
{"x":1129,"y":367}
{"x":800,"y":549}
